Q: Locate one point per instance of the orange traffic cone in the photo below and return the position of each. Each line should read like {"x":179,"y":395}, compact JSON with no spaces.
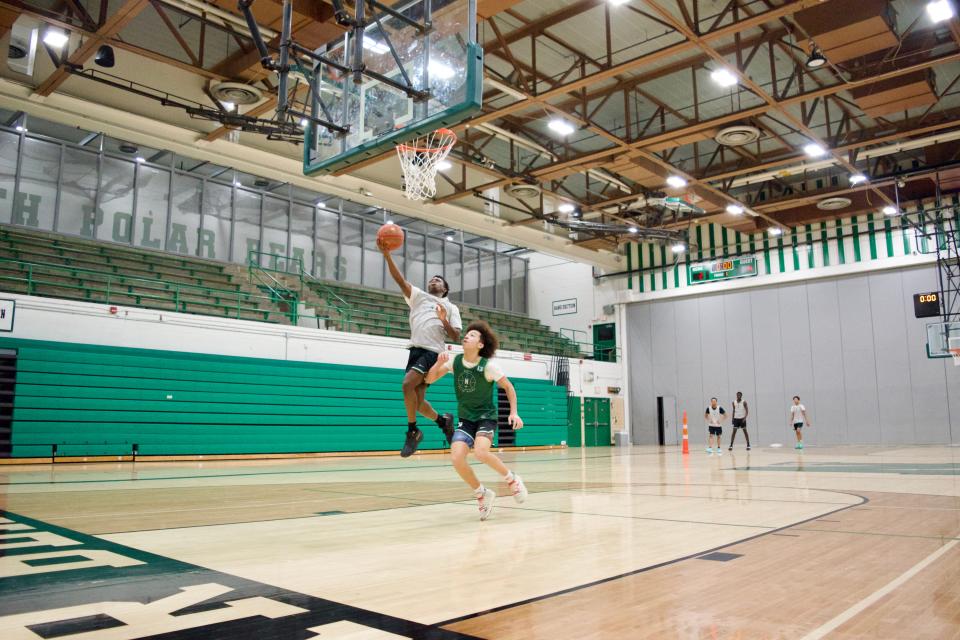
{"x":686,"y":436}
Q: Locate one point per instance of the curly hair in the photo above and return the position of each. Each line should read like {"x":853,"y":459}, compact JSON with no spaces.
{"x":487,"y":337}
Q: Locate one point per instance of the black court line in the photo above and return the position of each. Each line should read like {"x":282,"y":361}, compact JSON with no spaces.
{"x":470,"y":616}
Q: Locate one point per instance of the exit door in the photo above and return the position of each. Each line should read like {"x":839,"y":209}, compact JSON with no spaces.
{"x":596,"y":422}
{"x":668,"y":429}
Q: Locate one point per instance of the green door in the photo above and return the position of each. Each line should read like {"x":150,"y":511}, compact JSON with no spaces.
{"x":573,"y":422}
{"x":596,"y":422}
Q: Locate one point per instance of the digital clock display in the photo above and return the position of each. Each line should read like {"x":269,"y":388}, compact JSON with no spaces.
{"x":724,"y":269}
{"x":926,"y":305}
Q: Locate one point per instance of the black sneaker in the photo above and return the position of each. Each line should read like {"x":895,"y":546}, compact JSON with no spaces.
{"x":413,"y":441}
{"x":446,"y":425}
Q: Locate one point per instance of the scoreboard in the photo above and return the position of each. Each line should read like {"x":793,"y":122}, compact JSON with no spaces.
{"x":723,"y":269}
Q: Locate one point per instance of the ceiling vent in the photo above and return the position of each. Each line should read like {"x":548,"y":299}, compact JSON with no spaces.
{"x":523,"y":190}
{"x":22,"y":49}
{"x":737,"y":135}
{"x":236,"y":92}
{"x":834,"y":203}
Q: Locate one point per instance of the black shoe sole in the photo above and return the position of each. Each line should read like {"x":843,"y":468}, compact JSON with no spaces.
{"x":447,"y":427}
{"x":410,"y":446}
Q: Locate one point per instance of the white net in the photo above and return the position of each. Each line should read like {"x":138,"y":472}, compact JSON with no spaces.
{"x":420,"y":159}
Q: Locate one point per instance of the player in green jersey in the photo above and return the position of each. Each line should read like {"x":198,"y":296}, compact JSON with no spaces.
{"x":475,"y":374}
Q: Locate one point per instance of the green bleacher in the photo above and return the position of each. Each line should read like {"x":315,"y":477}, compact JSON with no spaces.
{"x":50,"y":265}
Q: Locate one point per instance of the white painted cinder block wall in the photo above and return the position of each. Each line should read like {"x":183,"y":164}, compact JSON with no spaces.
{"x":551,"y":279}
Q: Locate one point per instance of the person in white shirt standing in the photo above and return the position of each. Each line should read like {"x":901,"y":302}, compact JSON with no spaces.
{"x":798,"y":416}
{"x":740,"y":412}
{"x":714,"y":417}
{"x":433,"y":321}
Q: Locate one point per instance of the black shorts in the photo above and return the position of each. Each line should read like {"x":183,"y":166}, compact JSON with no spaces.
{"x":467,"y":430}
{"x":797,"y":425}
{"x":716,"y":431}
{"x":421,"y":360}
{"x":739,"y":423}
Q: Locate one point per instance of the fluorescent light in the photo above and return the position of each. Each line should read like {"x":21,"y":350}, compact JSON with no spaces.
{"x":562,"y":127}
{"x":372,"y":45}
{"x":676,"y":182}
{"x":939,"y":10}
{"x":440,"y":71}
{"x":632,"y":229}
{"x":724,"y":77}
{"x":566,"y":207}
{"x":857,"y":178}
{"x":814,"y":150}
{"x":775,"y":231}
{"x":890,"y":210}
{"x":735,"y":209}
{"x":55,"y":38}
{"x":679,"y":247}
{"x":443,"y":165}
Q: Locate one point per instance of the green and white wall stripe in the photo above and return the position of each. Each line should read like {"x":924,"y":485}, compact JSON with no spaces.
{"x":821,"y":245}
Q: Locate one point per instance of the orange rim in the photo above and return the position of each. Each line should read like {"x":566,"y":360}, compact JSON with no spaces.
{"x":442,"y":132}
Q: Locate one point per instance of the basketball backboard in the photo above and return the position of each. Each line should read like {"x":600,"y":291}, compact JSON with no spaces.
{"x":940,"y":337}
{"x":427,"y":46}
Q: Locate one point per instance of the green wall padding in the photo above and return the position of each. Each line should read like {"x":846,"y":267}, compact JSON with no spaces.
{"x":93,"y":400}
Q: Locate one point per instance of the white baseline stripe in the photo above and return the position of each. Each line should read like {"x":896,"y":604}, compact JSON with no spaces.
{"x":823,"y":630}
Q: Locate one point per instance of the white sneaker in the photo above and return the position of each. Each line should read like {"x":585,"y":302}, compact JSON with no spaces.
{"x":709,"y":450}
{"x":719,"y":452}
{"x":486,"y":503}
{"x":518,"y":488}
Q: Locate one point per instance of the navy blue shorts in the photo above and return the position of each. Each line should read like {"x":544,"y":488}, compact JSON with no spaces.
{"x":467,"y":431}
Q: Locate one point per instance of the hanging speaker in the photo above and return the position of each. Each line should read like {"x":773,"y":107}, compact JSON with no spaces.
{"x":104,"y":57}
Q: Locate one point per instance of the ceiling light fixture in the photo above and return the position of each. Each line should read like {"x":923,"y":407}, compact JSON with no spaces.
{"x":816,"y":59}
{"x":775,"y":231}
{"x":141,"y":159}
{"x":55,"y":38}
{"x":676,"y":182}
{"x":814,"y":150}
{"x":857,"y":178}
{"x":724,"y":77}
{"x":566,"y":207}
{"x":939,"y":10}
{"x":890,"y":210}
{"x":734,"y":209}
{"x":21,"y":128}
{"x":679,"y":247}
{"x":632,"y":229}
{"x":561,"y":127}
{"x":617,"y":3}
{"x":372,"y":45}
{"x":443,"y":165}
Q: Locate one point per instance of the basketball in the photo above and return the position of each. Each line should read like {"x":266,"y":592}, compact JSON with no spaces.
{"x":390,"y":237}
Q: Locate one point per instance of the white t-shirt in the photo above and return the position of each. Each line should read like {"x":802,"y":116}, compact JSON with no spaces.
{"x":739,"y":411}
{"x":796,"y":411}
{"x":713,"y":415}
{"x":426,"y":330}
{"x":492,"y":372}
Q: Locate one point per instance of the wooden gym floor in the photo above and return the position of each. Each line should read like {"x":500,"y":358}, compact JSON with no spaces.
{"x":846,"y":542}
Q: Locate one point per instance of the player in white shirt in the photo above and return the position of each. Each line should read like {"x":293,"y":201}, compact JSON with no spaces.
{"x":433,"y":321}
{"x":714,"y":417}
{"x":740,"y":412}
{"x":798,"y":416}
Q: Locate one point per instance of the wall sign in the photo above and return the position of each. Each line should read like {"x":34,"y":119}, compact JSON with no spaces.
{"x":565,"y":307}
{"x":723,"y":269}
{"x":7,"y":307}
{"x":926,"y":305}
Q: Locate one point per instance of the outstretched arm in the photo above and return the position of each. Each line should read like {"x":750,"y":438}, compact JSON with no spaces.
{"x":438,"y":370}
{"x":405,"y":286}
{"x":507,"y":386}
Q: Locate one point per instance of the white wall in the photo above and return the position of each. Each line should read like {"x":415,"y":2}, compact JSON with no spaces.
{"x":550,"y":278}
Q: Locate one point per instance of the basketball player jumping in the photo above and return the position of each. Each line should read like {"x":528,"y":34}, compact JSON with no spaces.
{"x":433,"y":319}
{"x":474,"y":374}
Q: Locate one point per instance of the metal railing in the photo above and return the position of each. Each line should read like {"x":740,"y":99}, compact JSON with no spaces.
{"x":95,"y":286}
{"x":263,"y":278}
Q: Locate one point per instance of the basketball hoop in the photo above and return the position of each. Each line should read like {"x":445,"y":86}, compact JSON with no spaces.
{"x":419,"y":159}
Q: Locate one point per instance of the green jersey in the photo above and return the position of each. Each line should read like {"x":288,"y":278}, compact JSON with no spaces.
{"x":474,"y":392}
